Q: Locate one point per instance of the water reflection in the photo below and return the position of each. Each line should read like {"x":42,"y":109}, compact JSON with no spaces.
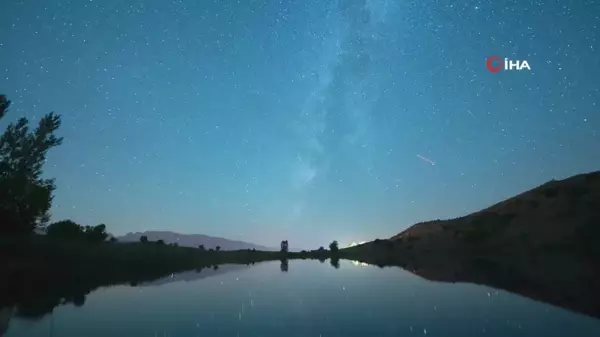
{"x":350,"y":299}
{"x":358,"y":263}
{"x":559,"y":280}
{"x":335,"y":262}
{"x":197,"y":274}
{"x":284,"y":265}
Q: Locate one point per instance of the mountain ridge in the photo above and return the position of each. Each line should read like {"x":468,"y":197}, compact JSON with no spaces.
{"x":551,"y":213}
{"x":192,"y":240}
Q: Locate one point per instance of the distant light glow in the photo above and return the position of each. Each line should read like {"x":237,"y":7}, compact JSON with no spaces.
{"x":356,"y":244}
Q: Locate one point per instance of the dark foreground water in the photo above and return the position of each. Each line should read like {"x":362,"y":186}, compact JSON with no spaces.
{"x":310,"y":299}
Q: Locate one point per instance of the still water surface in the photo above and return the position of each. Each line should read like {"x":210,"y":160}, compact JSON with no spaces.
{"x":310,"y":299}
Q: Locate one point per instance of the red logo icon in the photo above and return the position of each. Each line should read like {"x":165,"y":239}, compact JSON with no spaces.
{"x":490,"y":64}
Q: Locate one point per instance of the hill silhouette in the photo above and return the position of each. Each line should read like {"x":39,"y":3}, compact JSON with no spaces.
{"x":563,"y":215}
{"x":192,"y":240}
{"x":543,"y":244}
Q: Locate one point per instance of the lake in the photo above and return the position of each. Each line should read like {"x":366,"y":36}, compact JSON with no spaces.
{"x":309,"y":299}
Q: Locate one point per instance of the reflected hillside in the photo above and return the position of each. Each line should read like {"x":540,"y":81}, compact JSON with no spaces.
{"x":195,"y":275}
{"x":557,"y":279}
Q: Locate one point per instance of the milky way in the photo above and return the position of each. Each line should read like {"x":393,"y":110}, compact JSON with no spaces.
{"x":302,"y":120}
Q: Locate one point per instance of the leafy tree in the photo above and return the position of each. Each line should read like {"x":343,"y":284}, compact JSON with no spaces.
{"x":333,"y":247}
{"x":284,"y":246}
{"x":96,"y":233}
{"x":218,"y":248}
{"x":4,"y":104}
{"x":25,"y":197}
{"x":65,"y":229}
{"x":159,"y":242}
{"x":201,"y":247}
{"x":144,"y":239}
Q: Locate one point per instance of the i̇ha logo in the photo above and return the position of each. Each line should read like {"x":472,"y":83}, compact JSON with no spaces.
{"x":495,"y":64}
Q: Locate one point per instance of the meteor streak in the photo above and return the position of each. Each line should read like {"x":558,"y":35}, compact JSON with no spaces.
{"x":426,"y":159}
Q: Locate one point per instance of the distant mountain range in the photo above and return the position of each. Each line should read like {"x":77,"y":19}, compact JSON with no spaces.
{"x":191,"y":240}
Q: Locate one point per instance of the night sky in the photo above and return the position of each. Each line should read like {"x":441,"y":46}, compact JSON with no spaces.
{"x":306,"y":120}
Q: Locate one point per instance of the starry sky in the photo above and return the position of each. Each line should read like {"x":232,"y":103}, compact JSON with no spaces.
{"x":304,"y":120}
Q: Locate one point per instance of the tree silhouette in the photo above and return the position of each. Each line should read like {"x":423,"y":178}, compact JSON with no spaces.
{"x":284,"y":246}
{"x":25,"y":197}
{"x":201,"y":247}
{"x":218,"y":248}
{"x":144,"y":239}
{"x":67,"y":229}
{"x":4,"y":104}
{"x":159,"y":242}
{"x":333,"y":247}
{"x":96,"y":233}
